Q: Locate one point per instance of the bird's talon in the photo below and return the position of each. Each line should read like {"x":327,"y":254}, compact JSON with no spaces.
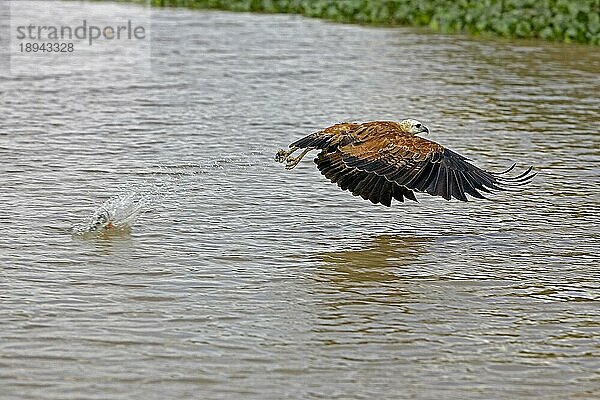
{"x":281,"y":155}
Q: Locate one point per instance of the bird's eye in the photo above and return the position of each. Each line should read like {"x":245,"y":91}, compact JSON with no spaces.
{"x":418,"y":125}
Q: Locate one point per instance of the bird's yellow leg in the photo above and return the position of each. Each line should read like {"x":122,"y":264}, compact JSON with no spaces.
{"x":282,"y":155}
{"x":293,"y":161}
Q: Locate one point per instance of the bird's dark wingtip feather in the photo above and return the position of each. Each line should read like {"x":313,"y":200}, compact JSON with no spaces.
{"x":519,"y":180}
{"x":515,"y":183}
{"x":521,"y":175}
{"x":507,"y":170}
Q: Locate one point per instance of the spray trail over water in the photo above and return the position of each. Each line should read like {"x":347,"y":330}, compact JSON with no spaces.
{"x":120,"y":212}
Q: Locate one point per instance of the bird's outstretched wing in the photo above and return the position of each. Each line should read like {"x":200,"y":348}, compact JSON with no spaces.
{"x":379,"y":162}
{"x":369,"y":186}
{"x":425,"y":166}
{"x":329,"y":138}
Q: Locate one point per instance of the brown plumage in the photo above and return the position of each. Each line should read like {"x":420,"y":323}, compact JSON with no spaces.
{"x":385,"y":160}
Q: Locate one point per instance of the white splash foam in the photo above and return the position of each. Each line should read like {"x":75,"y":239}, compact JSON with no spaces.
{"x":117,"y":213}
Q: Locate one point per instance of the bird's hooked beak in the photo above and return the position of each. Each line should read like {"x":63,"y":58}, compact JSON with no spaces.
{"x":424,"y":129}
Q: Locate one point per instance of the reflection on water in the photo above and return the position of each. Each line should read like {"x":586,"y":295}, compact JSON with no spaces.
{"x":379,"y":260}
{"x":249,"y":281}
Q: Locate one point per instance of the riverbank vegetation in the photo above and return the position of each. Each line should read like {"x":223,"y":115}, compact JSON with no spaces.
{"x":557,"y":20}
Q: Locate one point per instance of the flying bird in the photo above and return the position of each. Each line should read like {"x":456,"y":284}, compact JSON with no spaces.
{"x":385,"y":160}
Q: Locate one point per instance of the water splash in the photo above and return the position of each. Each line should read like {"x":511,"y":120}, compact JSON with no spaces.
{"x":119,"y":213}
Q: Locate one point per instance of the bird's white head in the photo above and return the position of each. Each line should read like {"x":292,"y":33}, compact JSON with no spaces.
{"x":412,"y":126}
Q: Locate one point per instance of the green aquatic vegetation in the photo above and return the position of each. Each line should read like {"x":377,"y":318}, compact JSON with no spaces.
{"x":558,"y":20}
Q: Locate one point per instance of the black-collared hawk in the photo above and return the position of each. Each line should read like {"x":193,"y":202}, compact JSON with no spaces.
{"x":385,"y":160}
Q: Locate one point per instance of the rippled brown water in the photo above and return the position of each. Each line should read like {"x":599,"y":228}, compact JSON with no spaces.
{"x":248,"y":281}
